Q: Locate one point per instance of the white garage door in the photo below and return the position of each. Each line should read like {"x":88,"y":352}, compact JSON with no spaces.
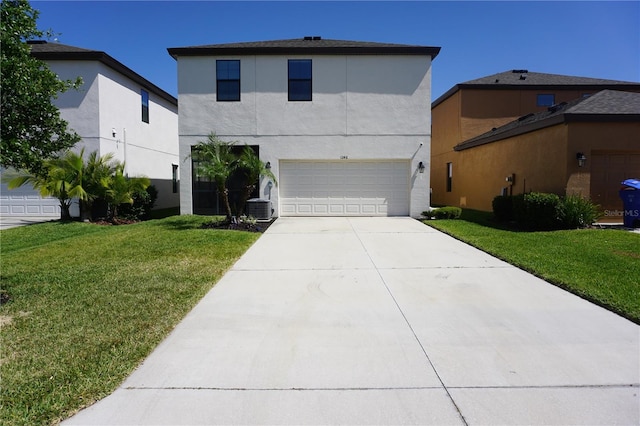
{"x":344,"y":188}
{"x":25,"y":201}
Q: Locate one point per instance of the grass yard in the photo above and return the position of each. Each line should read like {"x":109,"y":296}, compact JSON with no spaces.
{"x":601,"y":265}
{"x":88,"y":303}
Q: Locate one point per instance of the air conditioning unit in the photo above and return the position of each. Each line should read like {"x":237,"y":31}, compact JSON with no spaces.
{"x":259,"y":208}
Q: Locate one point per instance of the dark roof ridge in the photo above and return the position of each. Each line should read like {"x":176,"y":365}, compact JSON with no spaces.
{"x":507,"y":80}
{"x":306,"y":45}
{"x":44,"y":50}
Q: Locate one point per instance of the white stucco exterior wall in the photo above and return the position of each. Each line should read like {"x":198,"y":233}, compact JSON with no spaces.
{"x":109,"y":101}
{"x":363,"y":108}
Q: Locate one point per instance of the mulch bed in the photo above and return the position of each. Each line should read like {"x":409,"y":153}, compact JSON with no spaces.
{"x":238,"y":226}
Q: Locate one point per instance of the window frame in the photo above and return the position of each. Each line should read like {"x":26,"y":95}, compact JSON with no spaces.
{"x":541,"y":96}
{"x":144,"y":101}
{"x":174,"y":178}
{"x":449,"y":177}
{"x":307,"y":96}
{"x":236,"y":96}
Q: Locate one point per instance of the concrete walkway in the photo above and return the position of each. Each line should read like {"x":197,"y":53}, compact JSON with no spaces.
{"x":8,"y":222}
{"x":382,"y":321}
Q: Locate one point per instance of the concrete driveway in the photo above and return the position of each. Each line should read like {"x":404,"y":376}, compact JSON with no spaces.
{"x":382,"y":321}
{"x":8,"y":222}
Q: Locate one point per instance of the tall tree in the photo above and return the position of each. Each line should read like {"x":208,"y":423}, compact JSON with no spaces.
{"x":31,"y":127}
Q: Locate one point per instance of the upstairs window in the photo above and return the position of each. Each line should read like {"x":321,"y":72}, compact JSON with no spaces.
{"x":144,"y":96}
{"x":546,"y":100}
{"x":300,"y":79}
{"x":228,"y":81}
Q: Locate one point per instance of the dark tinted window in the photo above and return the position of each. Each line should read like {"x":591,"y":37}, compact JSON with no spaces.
{"x":300,"y":79}
{"x":228,"y":80}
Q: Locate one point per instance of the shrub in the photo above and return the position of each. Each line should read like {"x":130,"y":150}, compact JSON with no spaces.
{"x":429,"y":214}
{"x":143,"y":202}
{"x":503,"y":208}
{"x":443,"y":213}
{"x":537,"y":211}
{"x":577,"y":212}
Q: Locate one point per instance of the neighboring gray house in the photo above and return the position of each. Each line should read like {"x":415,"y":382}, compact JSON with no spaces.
{"x":344,"y":125}
{"x":115,"y":111}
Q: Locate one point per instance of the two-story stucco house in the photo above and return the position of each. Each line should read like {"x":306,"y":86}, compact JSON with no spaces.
{"x":114,"y":111}
{"x":345,"y":126}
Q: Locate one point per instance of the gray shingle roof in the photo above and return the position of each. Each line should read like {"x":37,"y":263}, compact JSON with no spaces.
{"x":526,"y":78}
{"x":307,"y":45}
{"x":509,"y":80}
{"x":606,"y":105}
{"x":44,"y":51}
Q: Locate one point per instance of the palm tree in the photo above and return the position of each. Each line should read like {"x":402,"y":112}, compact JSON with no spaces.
{"x":97,"y":172}
{"x":62,"y":178}
{"x":253,"y":168}
{"x":120,"y":188}
{"x":217,"y":162}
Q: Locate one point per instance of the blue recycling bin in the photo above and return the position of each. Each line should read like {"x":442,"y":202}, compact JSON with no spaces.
{"x":630,"y":194}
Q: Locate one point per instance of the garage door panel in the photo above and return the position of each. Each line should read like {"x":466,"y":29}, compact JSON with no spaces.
{"x":26,"y":201}
{"x":344,"y":188}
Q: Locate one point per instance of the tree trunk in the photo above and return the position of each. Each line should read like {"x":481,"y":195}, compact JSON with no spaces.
{"x":243,"y":201}
{"x":225,"y":200}
{"x":85,"y":211}
{"x":65,"y":214}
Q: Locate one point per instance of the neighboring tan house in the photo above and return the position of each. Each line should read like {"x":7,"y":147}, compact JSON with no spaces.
{"x":344,"y":125}
{"x":114,"y":111}
{"x":470,"y":163}
{"x":587,"y":146}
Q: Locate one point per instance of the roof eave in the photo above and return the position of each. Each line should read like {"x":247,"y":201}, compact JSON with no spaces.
{"x":527,"y":128}
{"x":552,"y":121}
{"x":111,"y":63}
{"x":175,"y":52}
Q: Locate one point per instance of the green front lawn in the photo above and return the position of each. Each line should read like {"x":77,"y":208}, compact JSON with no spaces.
{"x":601,"y":265}
{"x":88,"y":303}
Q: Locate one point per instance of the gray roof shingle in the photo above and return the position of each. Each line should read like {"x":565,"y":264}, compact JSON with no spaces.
{"x":307,"y":45}
{"x":606,"y":105}
{"x":524,"y":79}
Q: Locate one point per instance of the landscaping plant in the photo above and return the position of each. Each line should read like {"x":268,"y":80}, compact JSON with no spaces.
{"x":544,"y":212}
{"x":218,"y":162}
{"x":447,"y":212}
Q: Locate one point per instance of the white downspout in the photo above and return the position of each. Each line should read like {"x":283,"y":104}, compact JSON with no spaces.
{"x":124,"y":143}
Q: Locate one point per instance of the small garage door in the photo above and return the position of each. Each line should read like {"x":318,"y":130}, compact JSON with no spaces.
{"x":344,"y":188}
{"x":25,"y":201}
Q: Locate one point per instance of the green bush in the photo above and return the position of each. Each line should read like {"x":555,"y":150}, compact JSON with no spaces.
{"x":577,"y":212}
{"x":143,"y":202}
{"x":443,"y":213}
{"x":503,"y":208}
{"x":537,"y":211}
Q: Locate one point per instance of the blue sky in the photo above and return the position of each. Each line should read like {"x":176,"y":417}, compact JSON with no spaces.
{"x":478,"y":38}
